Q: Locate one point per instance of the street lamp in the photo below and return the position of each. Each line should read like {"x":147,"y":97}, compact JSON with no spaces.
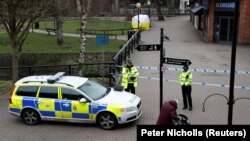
{"x":149,"y":4}
{"x":138,"y":6}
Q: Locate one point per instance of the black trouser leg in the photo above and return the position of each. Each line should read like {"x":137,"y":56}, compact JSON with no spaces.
{"x":133,"y":89}
{"x":184,"y":96}
{"x":130,"y":88}
{"x":189,"y":90}
{"x":127,"y":89}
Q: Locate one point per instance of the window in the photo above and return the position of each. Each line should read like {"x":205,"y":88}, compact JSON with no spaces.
{"x":70,"y":94}
{"x":27,"y":91}
{"x":48,"y":92}
{"x":94,"y":90}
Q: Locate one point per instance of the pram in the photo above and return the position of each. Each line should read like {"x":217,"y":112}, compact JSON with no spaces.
{"x":183,"y":121}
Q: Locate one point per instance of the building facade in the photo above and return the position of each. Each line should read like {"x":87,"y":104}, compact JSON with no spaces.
{"x":215,"y":20}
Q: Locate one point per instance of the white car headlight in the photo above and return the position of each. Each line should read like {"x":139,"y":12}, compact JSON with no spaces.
{"x":130,"y":109}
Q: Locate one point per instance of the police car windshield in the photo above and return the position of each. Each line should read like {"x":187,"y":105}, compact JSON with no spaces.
{"x":94,"y":90}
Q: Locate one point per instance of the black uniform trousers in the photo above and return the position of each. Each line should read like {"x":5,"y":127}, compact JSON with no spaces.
{"x":130,"y":88}
{"x":186,"y":94}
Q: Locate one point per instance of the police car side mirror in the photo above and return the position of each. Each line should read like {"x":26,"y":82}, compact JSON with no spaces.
{"x":82,"y":100}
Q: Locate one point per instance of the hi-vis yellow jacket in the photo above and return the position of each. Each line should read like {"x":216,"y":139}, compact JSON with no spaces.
{"x":185,"y":78}
{"x":129,"y":75}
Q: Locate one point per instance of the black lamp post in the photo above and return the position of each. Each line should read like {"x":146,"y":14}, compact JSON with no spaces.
{"x":138,"y":6}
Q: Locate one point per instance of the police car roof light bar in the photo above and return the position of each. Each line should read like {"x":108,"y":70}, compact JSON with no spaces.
{"x":55,"y":77}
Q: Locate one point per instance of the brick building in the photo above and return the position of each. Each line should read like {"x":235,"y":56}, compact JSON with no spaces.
{"x":215,"y":20}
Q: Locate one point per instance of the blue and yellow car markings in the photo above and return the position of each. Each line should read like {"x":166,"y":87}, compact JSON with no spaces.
{"x":64,"y":108}
{"x":29,"y":102}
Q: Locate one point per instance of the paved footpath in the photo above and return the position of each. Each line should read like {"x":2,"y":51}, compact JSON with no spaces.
{"x":186,"y":43}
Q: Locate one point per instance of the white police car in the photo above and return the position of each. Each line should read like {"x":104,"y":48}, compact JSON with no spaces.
{"x":73,"y":99}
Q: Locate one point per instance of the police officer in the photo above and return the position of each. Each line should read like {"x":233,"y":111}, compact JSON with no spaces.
{"x":129,"y":77}
{"x":185,"y":80}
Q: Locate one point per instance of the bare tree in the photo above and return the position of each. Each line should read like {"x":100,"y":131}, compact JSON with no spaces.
{"x":17,"y":17}
{"x":61,"y":6}
{"x":59,"y":22}
{"x":158,"y":10}
{"x":83,"y":7}
{"x":57,"y":11}
{"x":171,"y":6}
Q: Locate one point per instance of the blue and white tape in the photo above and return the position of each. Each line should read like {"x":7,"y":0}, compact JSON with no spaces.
{"x":195,"y":83}
{"x":200,"y":83}
{"x":204,"y":70}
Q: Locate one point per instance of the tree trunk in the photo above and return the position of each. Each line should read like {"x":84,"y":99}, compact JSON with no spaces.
{"x":59,"y":32}
{"x":158,"y":10}
{"x":83,"y":39}
{"x":17,"y":18}
{"x":59,"y":24}
{"x":83,"y":9}
{"x":171,"y":6}
{"x":15,"y":65}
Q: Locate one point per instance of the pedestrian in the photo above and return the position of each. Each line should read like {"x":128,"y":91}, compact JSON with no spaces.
{"x":129,"y":77}
{"x":185,"y":80}
{"x":168,"y":113}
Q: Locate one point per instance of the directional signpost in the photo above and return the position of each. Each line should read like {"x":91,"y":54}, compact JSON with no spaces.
{"x":175,"y":61}
{"x":156,"y":47}
{"x":153,"y":47}
{"x":163,"y":59}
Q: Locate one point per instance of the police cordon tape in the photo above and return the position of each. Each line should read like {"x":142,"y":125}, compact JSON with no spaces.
{"x":196,"y":83}
{"x":192,"y":70}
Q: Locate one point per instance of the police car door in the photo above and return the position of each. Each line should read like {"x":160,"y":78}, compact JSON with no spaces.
{"x":48,"y":103}
{"x":71,"y":107}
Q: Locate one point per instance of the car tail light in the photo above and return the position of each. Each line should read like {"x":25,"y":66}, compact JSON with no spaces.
{"x":10,"y":95}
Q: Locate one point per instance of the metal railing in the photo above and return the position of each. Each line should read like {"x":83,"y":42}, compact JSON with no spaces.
{"x":127,"y":48}
{"x":96,"y":70}
{"x":91,"y":70}
{"x":125,"y":53}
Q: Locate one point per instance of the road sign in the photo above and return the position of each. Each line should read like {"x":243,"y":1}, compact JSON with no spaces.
{"x":156,"y":47}
{"x":175,"y":61}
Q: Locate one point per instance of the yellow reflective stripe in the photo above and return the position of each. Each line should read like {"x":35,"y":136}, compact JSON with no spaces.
{"x":58,"y":113}
{"x":92,"y":116}
{"x":17,"y":101}
{"x":114,"y":108}
{"x":67,"y":114}
{"x":59,"y":93}
{"x":77,"y":107}
{"x":46,"y":104}
{"x":38,"y":91}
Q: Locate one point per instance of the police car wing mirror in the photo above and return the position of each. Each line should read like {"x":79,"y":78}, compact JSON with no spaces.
{"x":83,"y":100}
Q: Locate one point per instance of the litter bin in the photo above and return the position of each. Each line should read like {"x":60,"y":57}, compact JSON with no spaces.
{"x":36,"y":25}
{"x":130,"y":33}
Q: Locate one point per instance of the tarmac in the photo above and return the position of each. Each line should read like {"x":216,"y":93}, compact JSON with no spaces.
{"x":211,"y":60}
{"x":186,"y":43}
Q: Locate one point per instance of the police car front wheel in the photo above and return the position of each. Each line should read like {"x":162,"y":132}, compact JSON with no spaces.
{"x":30,"y":117}
{"x":107,"y":120}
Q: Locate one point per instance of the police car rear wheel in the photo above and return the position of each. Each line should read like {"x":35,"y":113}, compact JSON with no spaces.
{"x":30,"y":117}
{"x":107,"y":121}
